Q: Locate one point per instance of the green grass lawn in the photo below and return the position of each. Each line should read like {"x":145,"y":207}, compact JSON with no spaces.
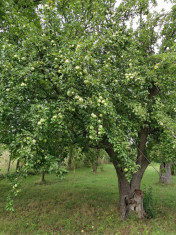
{"x":84,"y":203}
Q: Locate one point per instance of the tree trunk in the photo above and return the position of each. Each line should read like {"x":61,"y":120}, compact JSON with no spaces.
{"x":130,"y":195}
{"x":125,"y":193}
{"x":70,"y":157}
{"x":43,"y":177}
{"x":9,"y":163}
{"x":60,"y":163}
{"x":87,"y":161}
{"x":173,"y":169}
{"x":165,"y":173}
{"x":95,"y":163}
{"x":17,"y":165}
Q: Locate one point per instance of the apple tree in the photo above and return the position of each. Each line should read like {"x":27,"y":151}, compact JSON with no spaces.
{"x":82,"y":74}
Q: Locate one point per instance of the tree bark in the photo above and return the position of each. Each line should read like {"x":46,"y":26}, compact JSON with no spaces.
{"x":9,"y":163}
{"x":17,"y":165}
{"x":142,"y":160}
{"x":165,"y":173}
{"x":70,"y":158}
{"x":173,"y":169}
{"x":125,"y":193}
{"x":130,"y":195}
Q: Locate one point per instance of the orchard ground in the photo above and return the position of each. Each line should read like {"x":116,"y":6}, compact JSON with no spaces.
{"x":84,"y":203}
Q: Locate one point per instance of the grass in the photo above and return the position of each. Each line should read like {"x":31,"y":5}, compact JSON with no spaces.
{"x":84,"y":203}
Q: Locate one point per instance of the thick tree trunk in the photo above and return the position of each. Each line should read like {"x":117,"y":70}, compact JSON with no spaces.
{"x":95,"y":163}
{"x":125,"y":193}
{"x":130,"y":195}
{"x":165,"y":173}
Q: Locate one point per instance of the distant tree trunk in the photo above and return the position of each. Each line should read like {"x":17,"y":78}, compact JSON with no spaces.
{"x":70,"y":150}
{"x":43,"y":177}
{"x":70,"y":157}
{"x":173,"y":170}
{"x":165,"y":173}
{"x":17,"y":165}
{"x":60,"y":163}
{"x":95,"y":163}
{"x":87,"y":161}
{"x":9,"y":163}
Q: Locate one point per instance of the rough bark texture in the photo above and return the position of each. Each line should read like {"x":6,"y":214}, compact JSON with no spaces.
{"x":165,"y":173}
{"x":136,"y":203}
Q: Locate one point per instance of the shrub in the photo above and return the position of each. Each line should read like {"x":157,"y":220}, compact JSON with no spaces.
{"x":148,"y":202}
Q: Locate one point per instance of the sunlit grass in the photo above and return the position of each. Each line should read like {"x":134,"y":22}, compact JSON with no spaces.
{"x":84,"y":203}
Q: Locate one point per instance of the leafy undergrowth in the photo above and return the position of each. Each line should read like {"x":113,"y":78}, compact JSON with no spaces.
{"x":84,"y":203}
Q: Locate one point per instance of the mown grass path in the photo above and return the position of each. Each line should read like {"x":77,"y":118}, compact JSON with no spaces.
{"x":84,"y":203}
